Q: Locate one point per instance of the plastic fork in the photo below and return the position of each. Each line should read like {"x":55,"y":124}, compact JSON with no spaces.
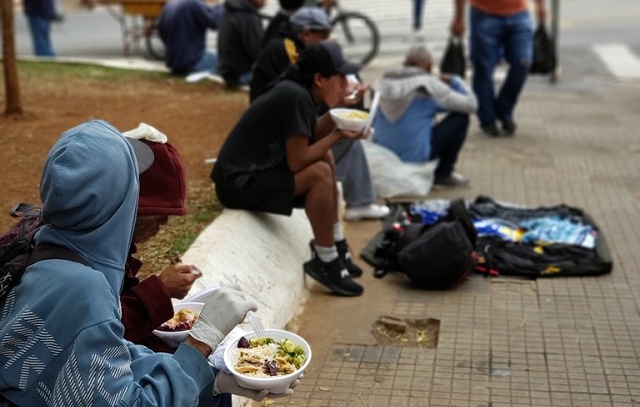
{"x":256,"y":323}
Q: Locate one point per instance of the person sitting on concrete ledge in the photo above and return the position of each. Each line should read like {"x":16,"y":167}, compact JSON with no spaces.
{"x":278,"y":156}
{"x":183,"y":27}
{"x":310,"y":25}
{"x":239,"y":38}
{"x":410,"y":99}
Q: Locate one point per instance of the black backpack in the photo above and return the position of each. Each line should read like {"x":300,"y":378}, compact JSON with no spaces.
{"x":434,"y":257}
{"x":18,"y":249}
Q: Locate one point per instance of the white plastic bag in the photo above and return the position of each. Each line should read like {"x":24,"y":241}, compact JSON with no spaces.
{"x":393,"y":178}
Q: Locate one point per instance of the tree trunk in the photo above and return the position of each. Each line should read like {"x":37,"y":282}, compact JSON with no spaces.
{"x":11,"y":79}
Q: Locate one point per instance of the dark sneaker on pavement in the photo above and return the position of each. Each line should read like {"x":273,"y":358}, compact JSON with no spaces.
{"x":509,"y":128}
{"x":344,"y":255}
{"x":451,"y":181}
{"x":490,"y":129}
{"x":333,"y":275}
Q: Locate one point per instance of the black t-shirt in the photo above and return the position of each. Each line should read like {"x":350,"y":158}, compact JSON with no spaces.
{"x":258,"y":141}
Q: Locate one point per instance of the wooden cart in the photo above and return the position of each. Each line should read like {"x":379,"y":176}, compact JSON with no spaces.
{"x":137,"y":19}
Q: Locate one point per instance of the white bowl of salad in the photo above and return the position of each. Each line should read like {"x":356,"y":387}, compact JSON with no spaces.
{"x":272,"y":362}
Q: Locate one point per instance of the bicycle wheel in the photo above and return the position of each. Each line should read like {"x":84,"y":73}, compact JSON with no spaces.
{"x":357,"y":34}
{"x":155,"y":46}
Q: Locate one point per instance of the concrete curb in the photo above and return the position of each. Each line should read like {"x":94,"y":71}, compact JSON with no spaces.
{"x":263,"y":253}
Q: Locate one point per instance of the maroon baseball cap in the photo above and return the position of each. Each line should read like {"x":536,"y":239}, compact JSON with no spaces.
{"x":163,"y":186}
{"x":325,"y":58}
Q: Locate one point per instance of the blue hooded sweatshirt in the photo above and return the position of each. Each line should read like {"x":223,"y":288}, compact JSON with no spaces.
{"x":61,"y":339}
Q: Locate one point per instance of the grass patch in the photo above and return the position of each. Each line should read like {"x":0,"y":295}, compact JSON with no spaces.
{"x":72,"y":70}
{"x":175,"y":238}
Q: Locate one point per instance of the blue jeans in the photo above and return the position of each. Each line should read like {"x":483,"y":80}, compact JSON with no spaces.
{"x":208,"y":62}
{"x":447,"y":138}
{"x":40,"y":28}
{"x":493,"y":37}
{"x":418,"y":6}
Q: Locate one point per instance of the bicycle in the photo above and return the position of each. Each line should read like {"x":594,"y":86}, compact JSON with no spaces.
{"x":356,"y":32}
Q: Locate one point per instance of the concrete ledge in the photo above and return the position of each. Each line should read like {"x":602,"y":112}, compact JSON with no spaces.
{"x":263,"y":253}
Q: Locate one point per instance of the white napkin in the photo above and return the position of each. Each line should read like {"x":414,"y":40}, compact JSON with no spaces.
{"x":146,"y":132}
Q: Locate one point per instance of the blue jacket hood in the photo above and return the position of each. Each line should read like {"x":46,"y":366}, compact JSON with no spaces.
{"x":91,"y":208}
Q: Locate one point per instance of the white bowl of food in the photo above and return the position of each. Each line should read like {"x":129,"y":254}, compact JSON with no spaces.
{"x":349,"y":119}
{"x":273,"y":362}
{"x":176,"y":330}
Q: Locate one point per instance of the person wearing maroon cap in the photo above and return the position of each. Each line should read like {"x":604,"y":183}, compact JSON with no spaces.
{"x":147,"y":304}
{"x":278,"y":156}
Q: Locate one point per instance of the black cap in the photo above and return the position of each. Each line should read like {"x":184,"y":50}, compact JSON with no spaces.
{"x":325,"y":58}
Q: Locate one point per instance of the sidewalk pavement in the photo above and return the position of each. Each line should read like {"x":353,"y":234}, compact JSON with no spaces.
{"x":505,"y":342}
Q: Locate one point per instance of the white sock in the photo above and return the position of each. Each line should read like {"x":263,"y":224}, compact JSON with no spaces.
{"x":337,"y":232}
{"x":326,"y":254}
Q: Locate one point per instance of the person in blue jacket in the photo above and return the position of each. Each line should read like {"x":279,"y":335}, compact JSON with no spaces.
{"x":183,"y":27}
{"x":61,"y":338}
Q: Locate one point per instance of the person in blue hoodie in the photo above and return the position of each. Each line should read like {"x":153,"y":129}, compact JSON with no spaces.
{"x":61,"y":338}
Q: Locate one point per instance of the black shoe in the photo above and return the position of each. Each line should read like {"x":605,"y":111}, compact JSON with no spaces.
{"x":490,"y":129}
{"x":509,"y":128}
{"x":334,"y":276}
{"x":451,"y":181}
{"x":344,"y":255}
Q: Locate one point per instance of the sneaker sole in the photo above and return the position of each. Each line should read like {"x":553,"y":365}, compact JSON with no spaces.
{"x":336,"y":290}
{"x":450,"y":187}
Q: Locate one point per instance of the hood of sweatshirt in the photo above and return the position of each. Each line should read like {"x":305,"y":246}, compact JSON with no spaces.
{"x":89,"y":189}
{"x":399,"y":87}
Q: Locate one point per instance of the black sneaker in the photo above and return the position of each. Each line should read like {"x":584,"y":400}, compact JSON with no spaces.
{"x":451,"y":181}
{"x":345,"y":257}
{"x":490,"y":129}
{"x":509,"y":128}
{"x":334,"y":276}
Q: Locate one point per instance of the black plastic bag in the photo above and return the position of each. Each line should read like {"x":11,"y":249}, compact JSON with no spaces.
{"x":453,"y":60}
{"x":544,"y":53}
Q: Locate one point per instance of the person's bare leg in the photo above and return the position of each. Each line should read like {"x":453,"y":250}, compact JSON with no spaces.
{"x":317,"y":183}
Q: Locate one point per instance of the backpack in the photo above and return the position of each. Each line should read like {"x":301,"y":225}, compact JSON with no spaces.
{"x":18,"y":250}
{"x":434,"y":257}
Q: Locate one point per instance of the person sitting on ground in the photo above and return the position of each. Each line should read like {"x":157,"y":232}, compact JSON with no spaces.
{"x":281,"y":19}
{"x":65,"y":316}
{"x":239,"y":38}
{"x":147,"y":304}
{"x":182,"y":27}
{"x":278,"y":157}
{"x":410,"y":99}
{"x":310,"y":25}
